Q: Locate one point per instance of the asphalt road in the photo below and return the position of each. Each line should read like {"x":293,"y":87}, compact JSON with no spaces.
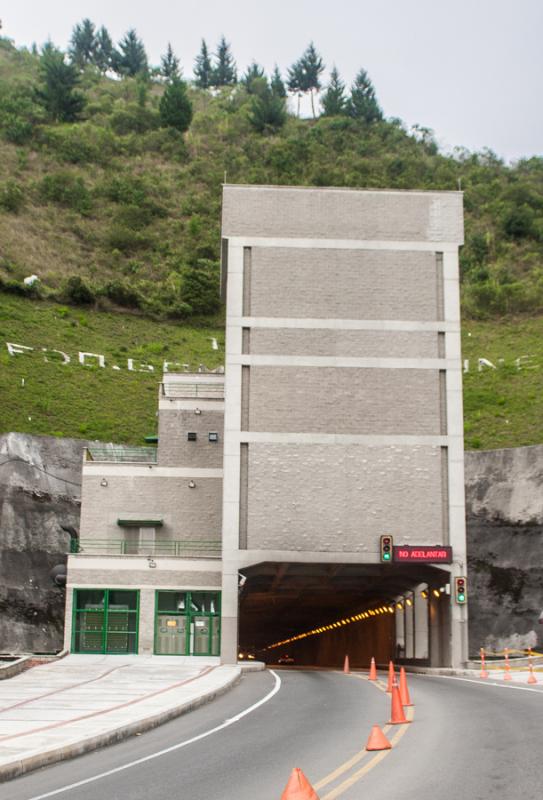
{"x":468,"y":741}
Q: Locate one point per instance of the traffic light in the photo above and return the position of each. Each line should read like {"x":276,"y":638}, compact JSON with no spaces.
{"x":386,"y":548}
{"x":461,"y":590}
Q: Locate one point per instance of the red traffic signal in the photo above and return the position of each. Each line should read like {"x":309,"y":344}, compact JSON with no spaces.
{"x":387,"y":543}
{"x":461,"y":590}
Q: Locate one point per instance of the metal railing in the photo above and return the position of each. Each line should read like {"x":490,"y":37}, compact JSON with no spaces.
{"x":122,"y":455}
{"x":202,"y":390}
{"x":186,"y":548}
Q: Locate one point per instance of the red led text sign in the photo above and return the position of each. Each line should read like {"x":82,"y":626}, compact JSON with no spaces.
{"x":435,"y":554}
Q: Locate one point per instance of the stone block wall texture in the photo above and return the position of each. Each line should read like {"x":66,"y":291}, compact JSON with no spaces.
{"x":187,"y":513}
{"x":351,"y":343}
{"x":343,"y":284}
{"x":344,"y":400}
{"x":112,"y":579}
{"x":332,"y":498}
{"x":174,"y":449}
{"x":342,"y":214}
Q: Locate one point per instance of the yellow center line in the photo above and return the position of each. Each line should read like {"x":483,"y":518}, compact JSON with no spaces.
{"x":347,"y":765}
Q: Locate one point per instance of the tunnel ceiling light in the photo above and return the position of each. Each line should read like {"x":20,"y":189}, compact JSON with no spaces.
{"x":332,"y":626}
{"x":408,"y":601}
{"x":424,"y":594}
{"x":399,"y":606}
{"x":436,"y":592}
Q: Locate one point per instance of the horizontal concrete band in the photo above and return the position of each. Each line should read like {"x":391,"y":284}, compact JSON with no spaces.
{"x":147,"y":470}
{"x":118,"y":563}
{"x":238,"y":436}
{"x":343,"y":244}
{"x":344,"y":324}
{"x":340,"y":361}
{"x":171,"y":404}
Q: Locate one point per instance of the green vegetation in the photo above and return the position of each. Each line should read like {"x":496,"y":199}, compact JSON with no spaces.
{"x":110,"y":192}
{"x":503,"y":407}
{"x":41,"y":395}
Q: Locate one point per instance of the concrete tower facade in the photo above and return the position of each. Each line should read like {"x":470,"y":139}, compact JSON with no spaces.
{"x":343,"y":388}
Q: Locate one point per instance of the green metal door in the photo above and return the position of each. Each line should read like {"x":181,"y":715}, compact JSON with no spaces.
{"x":105,"y":621}
{"x":171,"y":626}
{"x":187,"y":623}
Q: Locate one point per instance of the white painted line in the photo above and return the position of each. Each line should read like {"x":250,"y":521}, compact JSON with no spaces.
{"x":178,"y":746}
{"x":479,"y":682}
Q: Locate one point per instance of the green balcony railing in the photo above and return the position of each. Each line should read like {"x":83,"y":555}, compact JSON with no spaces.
{"x":187,"y":548}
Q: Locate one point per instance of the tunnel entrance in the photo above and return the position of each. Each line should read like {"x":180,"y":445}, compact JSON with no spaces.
{"x":314,"y":613}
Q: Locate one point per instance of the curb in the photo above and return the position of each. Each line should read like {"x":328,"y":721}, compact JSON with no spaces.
{"x":32,"y":762}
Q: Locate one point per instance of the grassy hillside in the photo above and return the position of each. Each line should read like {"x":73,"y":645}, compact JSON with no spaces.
{"x":503,"y":406}
{"x":133,"y":208}
{"x":115,"y":213}
{"x":49,"y":397}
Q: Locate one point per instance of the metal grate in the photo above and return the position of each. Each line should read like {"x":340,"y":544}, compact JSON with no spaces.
{"x":145,"y":455}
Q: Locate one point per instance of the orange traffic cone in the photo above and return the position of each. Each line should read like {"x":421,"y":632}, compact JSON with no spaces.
{"x":346,"y":669}
{"x":404,"y":691}
{"x":531,"y":676}
{"x":378,"y":740}
{"x":507,"y":673}
{"x":484,"y":671}
{"x":397,"y":716}
{"x":391,"y":676}
{"x":373,"y":671}
{"x":298,"y":787}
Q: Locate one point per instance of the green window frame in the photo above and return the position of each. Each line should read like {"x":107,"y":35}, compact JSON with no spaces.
{"x":107,"y":626}
{"x":199,"y":606}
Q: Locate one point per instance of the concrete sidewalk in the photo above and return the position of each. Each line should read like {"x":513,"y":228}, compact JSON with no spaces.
{"x":60,"y":710}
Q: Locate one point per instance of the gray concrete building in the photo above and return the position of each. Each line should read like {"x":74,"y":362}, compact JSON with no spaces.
{"x":338,"y":421}
{"x":343,"y":415}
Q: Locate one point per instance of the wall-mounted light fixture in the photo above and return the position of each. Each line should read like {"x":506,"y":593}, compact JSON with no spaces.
{"x":192,"y":485}
{"x":197,"y":411}
{"x":213,"y":436}
{"x":103,"y":482}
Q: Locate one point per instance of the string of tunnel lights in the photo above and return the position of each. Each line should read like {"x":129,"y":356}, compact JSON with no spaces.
{"x":364,"y":615}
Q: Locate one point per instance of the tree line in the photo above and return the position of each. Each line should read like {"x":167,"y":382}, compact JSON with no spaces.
{"x":93,"y":47}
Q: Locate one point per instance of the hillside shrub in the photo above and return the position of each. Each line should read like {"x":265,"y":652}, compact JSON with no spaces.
{"x":201,"y":287}
{"x":125,"y":240}
{"x":11,"y":196}
{"x":67,"y":190}
{"x":122,"y":294}
{"x":133,"y":118}
{"x":77,"y":291}
{"x":81,"y":144}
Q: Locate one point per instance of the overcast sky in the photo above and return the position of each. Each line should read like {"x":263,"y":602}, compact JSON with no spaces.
{"x":472,"y":70}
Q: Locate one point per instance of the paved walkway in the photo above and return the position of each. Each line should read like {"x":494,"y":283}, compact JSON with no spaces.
{"x":68,"y":707}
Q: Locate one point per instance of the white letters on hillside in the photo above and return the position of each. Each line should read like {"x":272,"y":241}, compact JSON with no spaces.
{"x":99,"y":360}
{"x":84,"y":356}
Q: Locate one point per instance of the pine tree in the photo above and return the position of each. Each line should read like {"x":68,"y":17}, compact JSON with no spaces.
{"x":276,"y":83}
{"x":334,"y":101}
{"x":175,"y":107}
{"x":363,"y":103}
{"x":268,"y":112}
{"x":202,"y":68}
{"x":254,"y":78}
{"x":131,"y":58}
{"x":103,"y":52}
{"x":224,"y":72}
{"x":295,"y":81}
{"x":169,"y":65}
{"x":58,"y":93}
{"x":312,"y":67}
{"x":83,"y":44}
